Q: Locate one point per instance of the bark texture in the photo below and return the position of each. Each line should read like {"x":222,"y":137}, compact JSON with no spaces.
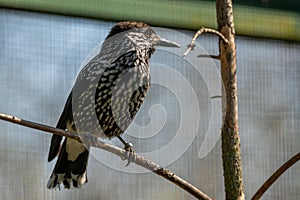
{"x":231,"y":155}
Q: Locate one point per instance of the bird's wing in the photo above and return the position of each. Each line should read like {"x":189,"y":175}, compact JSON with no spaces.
{"x":87,"y":81}
{"x":89,"y":75}
{"x":56,"y":139}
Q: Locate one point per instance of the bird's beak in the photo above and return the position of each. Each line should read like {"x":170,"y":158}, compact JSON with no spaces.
{"x":166,"y":43}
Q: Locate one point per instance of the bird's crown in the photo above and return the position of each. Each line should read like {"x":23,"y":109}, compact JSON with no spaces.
{"x":126,"y":26}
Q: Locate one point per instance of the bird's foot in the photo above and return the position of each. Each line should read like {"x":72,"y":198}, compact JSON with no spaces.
{"x":129,"y":154}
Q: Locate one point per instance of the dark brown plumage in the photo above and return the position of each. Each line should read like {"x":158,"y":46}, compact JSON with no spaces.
{"x":106,"y":96}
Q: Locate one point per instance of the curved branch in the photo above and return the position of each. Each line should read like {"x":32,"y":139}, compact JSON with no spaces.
{"x":199,"y":32}
{"x":275,"y":176}
{"x":93,"y":141}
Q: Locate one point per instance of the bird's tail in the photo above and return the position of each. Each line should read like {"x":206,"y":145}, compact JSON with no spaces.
{"x":70,"y":168}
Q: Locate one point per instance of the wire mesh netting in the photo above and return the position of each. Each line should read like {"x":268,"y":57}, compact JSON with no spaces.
{"x":40,"y":56}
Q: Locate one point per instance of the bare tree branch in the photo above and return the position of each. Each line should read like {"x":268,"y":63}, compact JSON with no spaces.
{"x":230,"y":139}
{"x":93,"y":141}
{"x":192,"y":45}
{"x":275,"y":176}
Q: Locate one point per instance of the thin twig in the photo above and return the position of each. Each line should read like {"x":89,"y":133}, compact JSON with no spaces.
{"x":275,"y":176}
{"x":141,"y":161}
{"x":217,"y":57}
{"x":192,"y":45}
{"x":216,"y":97}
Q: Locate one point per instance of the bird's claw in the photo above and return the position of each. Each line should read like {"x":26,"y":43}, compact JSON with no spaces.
{"x":129,"y":154}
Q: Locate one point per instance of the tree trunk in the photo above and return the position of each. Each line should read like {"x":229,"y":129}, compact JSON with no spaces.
{"x":232,"y":166}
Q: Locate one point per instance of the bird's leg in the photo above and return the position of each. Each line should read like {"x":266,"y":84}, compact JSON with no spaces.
{"x":129,"y":154}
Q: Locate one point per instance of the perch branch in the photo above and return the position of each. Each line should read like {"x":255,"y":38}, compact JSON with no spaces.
{"x":141,"y":161}
{"x":275,"y":176}
{"x":192,"y":45}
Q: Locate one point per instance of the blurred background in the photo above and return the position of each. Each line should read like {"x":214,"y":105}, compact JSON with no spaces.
{"x":44,"y":43}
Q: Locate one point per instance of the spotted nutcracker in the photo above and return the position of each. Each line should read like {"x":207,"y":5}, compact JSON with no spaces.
{"x":106,"y":96}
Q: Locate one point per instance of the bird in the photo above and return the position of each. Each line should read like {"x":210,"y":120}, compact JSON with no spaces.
{"x":107,"y":93}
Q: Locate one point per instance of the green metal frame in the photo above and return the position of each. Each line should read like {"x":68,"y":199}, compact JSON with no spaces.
{"x":250,"y":21}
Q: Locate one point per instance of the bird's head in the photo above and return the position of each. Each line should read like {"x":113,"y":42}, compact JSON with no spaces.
{"x":141,"y":35}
